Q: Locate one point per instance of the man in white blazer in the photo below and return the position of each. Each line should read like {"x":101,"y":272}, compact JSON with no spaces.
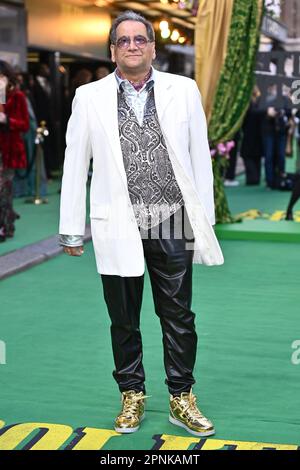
{"x":151,"y":200}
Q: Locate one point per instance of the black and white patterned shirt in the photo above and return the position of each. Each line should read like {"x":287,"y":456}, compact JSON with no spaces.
{"x":153,"y":189}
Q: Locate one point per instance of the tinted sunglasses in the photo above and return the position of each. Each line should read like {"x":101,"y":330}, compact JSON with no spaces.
{"x":125,"y":41}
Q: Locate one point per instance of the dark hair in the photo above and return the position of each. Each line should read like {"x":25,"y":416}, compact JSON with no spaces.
{"x":7,"y":70}
{"x":130,"y":15}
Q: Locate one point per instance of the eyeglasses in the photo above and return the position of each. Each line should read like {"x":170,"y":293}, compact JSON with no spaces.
{"x":125,"y":41}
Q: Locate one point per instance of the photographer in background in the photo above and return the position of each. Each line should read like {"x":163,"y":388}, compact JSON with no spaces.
{"x":275,"y":125}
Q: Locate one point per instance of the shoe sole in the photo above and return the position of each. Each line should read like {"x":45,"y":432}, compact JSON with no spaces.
{"x":195,"y":433}
{"x":130,"y":430}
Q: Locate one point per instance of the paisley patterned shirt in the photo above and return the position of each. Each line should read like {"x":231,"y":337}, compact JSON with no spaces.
{"x":153,"y":189}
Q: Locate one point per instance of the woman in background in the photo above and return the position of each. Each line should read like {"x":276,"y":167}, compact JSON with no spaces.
{"x":14,"y":120}
{"x":25,"y":180}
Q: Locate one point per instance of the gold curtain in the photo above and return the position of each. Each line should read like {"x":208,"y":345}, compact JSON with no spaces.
{"x":211,"y":35}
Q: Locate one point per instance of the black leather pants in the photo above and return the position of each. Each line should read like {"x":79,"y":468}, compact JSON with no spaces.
{"x":169,"y":265}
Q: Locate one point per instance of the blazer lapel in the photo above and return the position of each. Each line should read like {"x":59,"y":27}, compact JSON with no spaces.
{"x":162,"y":93}
{"x":106,"y":109}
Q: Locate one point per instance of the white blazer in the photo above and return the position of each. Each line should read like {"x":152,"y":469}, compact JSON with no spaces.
{"x":93,"y":132}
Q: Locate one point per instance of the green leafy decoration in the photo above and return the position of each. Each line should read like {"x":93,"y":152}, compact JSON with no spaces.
{"x":234,"y":88}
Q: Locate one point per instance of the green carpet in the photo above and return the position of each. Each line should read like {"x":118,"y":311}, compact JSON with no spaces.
{"x":268,"y":223}
{"x":258,"y":229}
{"x":40,"y":222}
{"x":243,"y":198}
{"x":36,"y":222}
{"x":59,"y":362}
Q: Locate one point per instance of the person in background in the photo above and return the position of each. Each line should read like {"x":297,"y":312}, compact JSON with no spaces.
{"x":275,"y":125}
{"x":294,"y":198}
{"x":25,"y":180}
{"x":101,"y":72}
{"x":82,"y":77}
{"x":43,"y":98}
{"x":230,"y":171}
{"x":14,"y":119}
{"x":252,"y":142}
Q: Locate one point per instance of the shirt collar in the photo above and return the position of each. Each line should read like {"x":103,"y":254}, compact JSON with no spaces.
{"x":123,"y":80}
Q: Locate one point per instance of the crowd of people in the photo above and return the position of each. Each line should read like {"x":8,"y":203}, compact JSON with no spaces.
{"x":266,"y":134}
{"x":26,"y":102}
{"x":14,"y":119}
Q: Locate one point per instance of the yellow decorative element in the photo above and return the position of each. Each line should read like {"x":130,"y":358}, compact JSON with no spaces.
{"x":171,"y":442}
{"x":54,"y":438}
{"x":56,"y":435}
{"x":216,"y":444}
{"x":250,"y":214}
{"x":177,"y":442}
{"x":278,"y":215}
{"x":297,"y":216}
{"x":94,"y":439}
{"x":211,"y":35}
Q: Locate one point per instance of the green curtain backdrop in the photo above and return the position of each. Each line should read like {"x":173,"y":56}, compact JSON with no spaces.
{"x":234,"y":90}
{"x":237,"y":77}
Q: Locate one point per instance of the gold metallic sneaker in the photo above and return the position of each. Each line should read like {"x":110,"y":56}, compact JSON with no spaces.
{"x":185,"y":413}
{"x":132,"y":413}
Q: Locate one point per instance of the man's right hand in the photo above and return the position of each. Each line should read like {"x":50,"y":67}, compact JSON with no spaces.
{"x":73,"y":250}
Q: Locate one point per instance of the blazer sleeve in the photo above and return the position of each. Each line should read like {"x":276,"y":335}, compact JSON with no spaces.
{"x":200,"y":152}
{"x":75,"y":172}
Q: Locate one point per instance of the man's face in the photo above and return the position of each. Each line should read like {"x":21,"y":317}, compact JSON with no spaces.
{"x":133,"y":59}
